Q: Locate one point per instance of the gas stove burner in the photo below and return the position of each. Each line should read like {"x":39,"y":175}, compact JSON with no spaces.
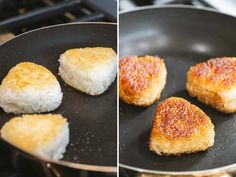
{"x":21,"y":16}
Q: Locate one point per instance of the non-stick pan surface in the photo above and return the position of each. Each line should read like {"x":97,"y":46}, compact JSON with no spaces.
{"x":92,"y":119}
{"x":183,"y":37}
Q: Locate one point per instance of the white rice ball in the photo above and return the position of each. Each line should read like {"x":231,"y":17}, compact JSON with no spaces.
{"x":45,"y":135}
{"x":29,"y":88}
{"x":90,"y":70}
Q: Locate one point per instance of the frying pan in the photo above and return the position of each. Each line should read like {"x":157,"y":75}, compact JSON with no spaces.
{"x":183,"y":36}
{"x":92,"y":119}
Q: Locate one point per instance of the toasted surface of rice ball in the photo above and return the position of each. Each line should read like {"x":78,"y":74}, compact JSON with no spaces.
{"x":141,"y":79}
{"x":29,"y":88}
{"x":214,"y":83}
{"x":91,"y":70}
{"x":43,"y":135}
{"x":180,"y":127}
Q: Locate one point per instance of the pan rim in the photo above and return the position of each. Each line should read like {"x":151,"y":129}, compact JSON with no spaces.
{"x":175,"y":6}
{"x":211,"y":171}
{"x":226,"y":168}
{"x":50,"y":163}
{"x":59,"y":25}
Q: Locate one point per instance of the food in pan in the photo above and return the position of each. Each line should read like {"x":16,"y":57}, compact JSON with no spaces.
{"x":90,"y":70}
{"x":214,"y":83}
{"x":29,"y":88}
{"x":45,"y":135}
{"x":180,"y":127}
{"x":141,"y":79}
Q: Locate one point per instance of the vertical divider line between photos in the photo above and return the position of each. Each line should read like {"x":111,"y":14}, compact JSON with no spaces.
{"x":118,"y":106}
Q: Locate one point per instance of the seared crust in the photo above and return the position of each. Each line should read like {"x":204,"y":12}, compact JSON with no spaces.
{"x":90,"y":57}
{"x":141,"y":79}
{"x":27,"y":74}
{"x":180,"y":127}
{"x":214,"y":82}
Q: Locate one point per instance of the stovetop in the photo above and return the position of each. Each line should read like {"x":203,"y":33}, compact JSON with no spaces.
{"x":19,"y":16}
{"x":6,"y":170}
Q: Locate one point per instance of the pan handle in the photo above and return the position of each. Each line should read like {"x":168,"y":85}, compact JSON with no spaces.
{"x":50,"y":167}
{"x":59,"y":171}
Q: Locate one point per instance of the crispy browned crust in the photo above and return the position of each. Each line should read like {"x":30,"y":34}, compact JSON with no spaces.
{"x":27,"y":74}
{"x":90,"y":57}
{"x":141,"y":79}
{"x":209,"y":81}
{"x":220,"y":72}
{"x":176,"y":123}
{"x":177,"y":118}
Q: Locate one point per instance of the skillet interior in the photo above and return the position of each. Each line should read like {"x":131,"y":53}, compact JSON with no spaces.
{"x":183,"y":37}
{"x":92,"y":120}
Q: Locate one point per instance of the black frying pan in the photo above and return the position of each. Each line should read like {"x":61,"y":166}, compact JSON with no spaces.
{"x":183,"y":36}
{"x":92,"y":119}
